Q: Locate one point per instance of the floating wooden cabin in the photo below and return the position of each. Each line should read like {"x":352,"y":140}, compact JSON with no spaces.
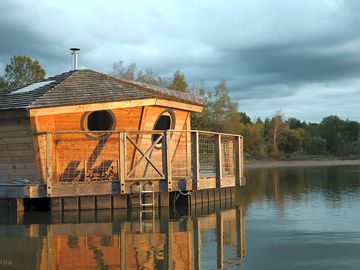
{"x":88,"y":140}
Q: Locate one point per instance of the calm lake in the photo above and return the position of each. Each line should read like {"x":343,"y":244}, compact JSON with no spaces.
{"x":284,"y":218}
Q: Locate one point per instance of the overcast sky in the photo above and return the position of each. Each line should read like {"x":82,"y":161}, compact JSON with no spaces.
{"x":300,"y":57}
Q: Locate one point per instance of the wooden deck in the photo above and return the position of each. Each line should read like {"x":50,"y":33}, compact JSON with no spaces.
{"x":77,"y":163}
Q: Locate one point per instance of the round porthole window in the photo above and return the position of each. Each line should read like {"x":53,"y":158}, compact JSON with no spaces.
{"x":98,"y":121}
{"x":165,"y":121}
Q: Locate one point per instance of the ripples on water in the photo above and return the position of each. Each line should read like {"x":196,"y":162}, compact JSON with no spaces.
{"x":285,"y":218}
{"x":302,"y":218}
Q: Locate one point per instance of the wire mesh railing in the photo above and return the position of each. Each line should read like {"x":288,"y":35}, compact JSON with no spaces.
{"x":207,"y":155}
{"x":80,"y":157}
{"x":228,"y":159}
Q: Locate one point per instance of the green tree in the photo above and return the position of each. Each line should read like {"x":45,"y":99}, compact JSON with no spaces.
{"x":244,"y":118}
{"x":223,"y":112}
{"x":352,"y":130}
{"x":254,"y":141}
{"x":290,"y":140}
{"x":332,"y":129}
{"x":314,"y":145}
{"x":202,"y":120}
{"x":178,"y":82}
{"x":22,"y":70}
{"x":313,"y":129}
{"x":294,"y":123}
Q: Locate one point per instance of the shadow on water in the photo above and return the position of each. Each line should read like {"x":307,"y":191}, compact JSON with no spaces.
{"x":209,"y":236}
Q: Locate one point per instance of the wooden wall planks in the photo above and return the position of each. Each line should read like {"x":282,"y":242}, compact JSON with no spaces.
{"x":17,"y":154}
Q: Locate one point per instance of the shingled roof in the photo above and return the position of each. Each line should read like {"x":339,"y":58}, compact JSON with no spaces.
{"x":85,"y":87}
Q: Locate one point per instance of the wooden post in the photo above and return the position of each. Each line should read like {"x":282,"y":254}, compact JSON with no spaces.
{"x":48,"y":164}
{"x":242,"y":178}
{"x":49,"y":246}
{"x":238,"y":168}
{"x":240,"y":224}
{"x":167,"y":160}
{"x":218,"y":161}
{"x":85,"y":170}
{"x":123,"y":258}
{"x":122,"y":158}
{"x":197,"y":244}
{"x":195,"y":159}
{"x":169,"y":247}
{"x":220,"y":240}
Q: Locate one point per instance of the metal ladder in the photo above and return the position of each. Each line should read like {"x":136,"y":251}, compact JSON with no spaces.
{"x":143,"y":192}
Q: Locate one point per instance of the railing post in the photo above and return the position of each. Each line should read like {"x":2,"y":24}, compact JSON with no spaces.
{"x":238,"y":168}
{"x":48,"y":164}
{"x":195,"y":159}
{"x":167,"y":159}
{"x":218,"y":159}
{"x":242,"y":178}
{"x":122,"y":158}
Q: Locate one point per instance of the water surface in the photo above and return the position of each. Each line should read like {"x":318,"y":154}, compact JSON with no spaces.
{"x":302,"y":218}
{"x":285,"y":218}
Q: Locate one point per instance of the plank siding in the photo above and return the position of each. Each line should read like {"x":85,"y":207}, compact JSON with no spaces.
{"x":93,"y":151}
{"x":79,"y":146}
{"x":17,"y":154}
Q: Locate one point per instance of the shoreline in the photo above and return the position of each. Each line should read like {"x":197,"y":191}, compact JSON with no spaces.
{"x":253,"y":164}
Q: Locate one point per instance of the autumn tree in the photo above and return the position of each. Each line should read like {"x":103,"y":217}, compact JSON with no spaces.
{"x":120,"y":70}
{"x":150,"y":77}
{"x":131,"y":72}
{"x":223,"y":112}
{"x":22,"y":70}
{"x":253,"y":135}
{"x":290,"y":140}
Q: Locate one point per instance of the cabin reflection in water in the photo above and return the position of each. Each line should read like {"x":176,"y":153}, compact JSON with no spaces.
{"x":166,"y":242}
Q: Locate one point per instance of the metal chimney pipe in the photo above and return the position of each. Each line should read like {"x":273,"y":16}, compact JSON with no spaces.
{"x":74,"y":58}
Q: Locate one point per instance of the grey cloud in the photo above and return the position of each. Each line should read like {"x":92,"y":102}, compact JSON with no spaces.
{"x":270,"y":52}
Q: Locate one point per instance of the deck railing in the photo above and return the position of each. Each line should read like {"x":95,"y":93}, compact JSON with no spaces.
{"x":191,"y":157}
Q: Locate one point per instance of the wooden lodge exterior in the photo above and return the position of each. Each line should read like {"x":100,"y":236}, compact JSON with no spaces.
{"x":84,"y":134}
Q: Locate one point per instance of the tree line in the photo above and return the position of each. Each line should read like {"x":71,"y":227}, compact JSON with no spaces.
{"x":273,"y":137}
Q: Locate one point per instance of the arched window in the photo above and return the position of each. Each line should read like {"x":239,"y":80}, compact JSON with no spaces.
{"x":164,"y":122}
{"x":98,"y":121}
